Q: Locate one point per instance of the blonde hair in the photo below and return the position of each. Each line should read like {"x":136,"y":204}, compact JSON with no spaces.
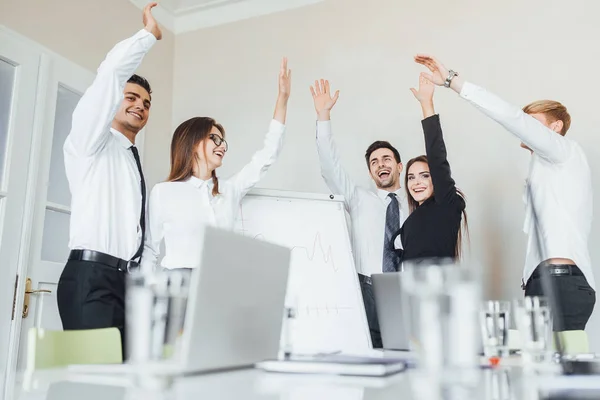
{"x":553,"y":110}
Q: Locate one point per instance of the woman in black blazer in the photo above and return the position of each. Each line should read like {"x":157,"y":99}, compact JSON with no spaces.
{"x":434,"y":228}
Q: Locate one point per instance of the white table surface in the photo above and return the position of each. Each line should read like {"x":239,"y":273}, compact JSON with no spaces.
{"x":506,"y":383}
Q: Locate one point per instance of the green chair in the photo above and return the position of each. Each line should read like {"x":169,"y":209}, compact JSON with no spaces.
{"x":55,"y":349}
{"x":574,"y":342}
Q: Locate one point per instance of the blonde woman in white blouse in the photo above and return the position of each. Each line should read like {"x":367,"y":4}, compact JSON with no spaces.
{"x":194,"y":197}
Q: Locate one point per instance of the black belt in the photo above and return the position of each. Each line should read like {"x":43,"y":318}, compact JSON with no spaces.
{"x":365,"y":279}
{"x":102,"y":258}
{"x":557,"y":270}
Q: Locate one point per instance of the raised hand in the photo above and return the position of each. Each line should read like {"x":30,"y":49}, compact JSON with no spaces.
{"x":149,"y":22}
{"x":426,"y":89}
{"x":285,"y":79}
{"x":439,"y":73}
{"x":285,"y":85}
{"x":321,"y":94}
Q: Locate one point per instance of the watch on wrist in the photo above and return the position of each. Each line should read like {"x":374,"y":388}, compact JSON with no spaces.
{"x":451,"y":75}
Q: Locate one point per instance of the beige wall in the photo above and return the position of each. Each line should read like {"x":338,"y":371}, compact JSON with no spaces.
{"x":83,"y":32}
{"x":524,"y":50}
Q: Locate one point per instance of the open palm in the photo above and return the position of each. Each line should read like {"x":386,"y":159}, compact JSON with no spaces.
{"x":426,"y":89}
{"x":439,"y":73}
{"x":285,"y":79}
{"x":149,"y":21}
{"x":322,"y":98}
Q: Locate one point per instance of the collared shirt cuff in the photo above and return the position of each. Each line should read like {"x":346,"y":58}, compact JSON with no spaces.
{"x":146,"y":38}
{"x":276,"y":127}
{"x":324,"y":127}
{"x":467,"y":90}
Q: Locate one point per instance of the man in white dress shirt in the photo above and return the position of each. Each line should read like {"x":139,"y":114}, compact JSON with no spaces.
{"x":107,"y":187}
{"x":561,"y":192}
{"x":375,"y":216}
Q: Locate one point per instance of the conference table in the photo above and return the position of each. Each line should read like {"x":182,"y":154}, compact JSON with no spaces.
{"x":506,"y":382}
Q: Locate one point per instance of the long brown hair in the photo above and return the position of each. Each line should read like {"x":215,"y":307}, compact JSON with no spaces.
{"x":185,"y":141}
{"x":413,"y":204}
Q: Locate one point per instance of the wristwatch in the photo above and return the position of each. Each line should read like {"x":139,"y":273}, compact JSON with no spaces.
{"x":451,"y":75}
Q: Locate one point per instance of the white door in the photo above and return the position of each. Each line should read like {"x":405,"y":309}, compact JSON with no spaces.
{"x":49,"y":249}
{"x":34,"y":193}
{"x":18,"y":82}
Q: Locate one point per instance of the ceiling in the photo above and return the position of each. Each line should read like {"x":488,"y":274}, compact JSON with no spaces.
{"x":188,"y":15}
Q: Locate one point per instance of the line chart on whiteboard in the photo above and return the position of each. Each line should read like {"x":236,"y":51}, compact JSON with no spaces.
{"x":317,"y":248}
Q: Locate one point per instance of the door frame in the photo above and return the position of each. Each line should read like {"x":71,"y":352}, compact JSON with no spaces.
{"x":61,"y":72}
{"x":14,"y":272}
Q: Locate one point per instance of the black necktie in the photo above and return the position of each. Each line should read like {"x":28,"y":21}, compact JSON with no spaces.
{"x":392,"y":224}
{"x":136,"y":155}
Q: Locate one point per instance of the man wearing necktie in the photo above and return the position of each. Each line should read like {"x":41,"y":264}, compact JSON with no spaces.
{"x":107,"y":186}
{"x":375,"y":215}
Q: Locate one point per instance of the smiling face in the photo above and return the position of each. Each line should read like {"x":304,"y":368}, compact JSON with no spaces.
{"x":418,"y":181}
{"x":209,"y":153}
{"x":384,"y":169}
{"x":134,"y":111}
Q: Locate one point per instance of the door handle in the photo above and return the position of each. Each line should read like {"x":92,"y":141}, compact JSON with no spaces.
{"x":28,"y":292}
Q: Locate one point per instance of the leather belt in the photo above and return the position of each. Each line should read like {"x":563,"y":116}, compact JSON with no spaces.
{"x":557,"y":270}
{"x":102,"y":258}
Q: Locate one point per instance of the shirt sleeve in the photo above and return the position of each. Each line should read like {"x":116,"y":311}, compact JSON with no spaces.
{"x":543,"y":141}
{"x":335,"y":176}
{"x":93,"y":115}
{"x":154,"y":233}
{"x":443,"y":185}
{"x":254,"y":171}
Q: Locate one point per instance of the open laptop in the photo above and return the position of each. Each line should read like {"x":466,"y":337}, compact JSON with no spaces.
{"x":389,"y":305}
{"x":234,"y":312}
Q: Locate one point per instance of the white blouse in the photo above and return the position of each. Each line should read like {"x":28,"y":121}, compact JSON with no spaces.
{"x":179,"y":211}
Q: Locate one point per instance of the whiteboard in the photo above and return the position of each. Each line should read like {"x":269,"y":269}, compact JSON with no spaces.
{"x":323,"y":284}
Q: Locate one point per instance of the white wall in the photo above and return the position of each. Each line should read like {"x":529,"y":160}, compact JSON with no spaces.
{"x":524,"y":50}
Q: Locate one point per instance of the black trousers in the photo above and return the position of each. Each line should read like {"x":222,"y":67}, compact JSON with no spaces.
{"x":575,"y":299}
{"x":369,"y":302}
{"x":90,"y":296}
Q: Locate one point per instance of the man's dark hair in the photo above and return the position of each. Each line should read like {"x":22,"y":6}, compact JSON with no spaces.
{"x":381,"y":144}
{"x":141,"y":81}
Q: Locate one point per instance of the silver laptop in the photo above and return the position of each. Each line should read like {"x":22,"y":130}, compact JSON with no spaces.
{"x":235,"y":308}
{"x":235,"y":314}
{"x":388,"y":301}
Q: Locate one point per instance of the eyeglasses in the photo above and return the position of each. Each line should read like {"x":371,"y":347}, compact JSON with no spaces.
{"x":218,"y":140}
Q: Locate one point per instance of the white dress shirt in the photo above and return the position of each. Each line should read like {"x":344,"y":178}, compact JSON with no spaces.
{"x":103,"y":177}
{"x":179,"y":211}
{"x":367,"y":209}
{"x":560,"y":181}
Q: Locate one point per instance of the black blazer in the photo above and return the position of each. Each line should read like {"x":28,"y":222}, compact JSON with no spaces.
{"x":431,"y":230}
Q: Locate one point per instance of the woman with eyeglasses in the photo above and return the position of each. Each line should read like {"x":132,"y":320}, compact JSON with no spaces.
{"x":193,"y":196}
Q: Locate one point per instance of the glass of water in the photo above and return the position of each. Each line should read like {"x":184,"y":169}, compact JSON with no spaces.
{"x":155,"y":310}
{"x":440,"y":311}
{"x":534,"y":322}
{"x":494,"y":319}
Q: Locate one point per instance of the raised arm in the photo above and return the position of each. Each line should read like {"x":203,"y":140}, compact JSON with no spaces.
{"x":336,"y":178}
{"x":542,"y":140}
{"x":154,"y":233}
{"x":95,"y":111}
{"x":443,"y":185}
{"x":254,"y":171}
